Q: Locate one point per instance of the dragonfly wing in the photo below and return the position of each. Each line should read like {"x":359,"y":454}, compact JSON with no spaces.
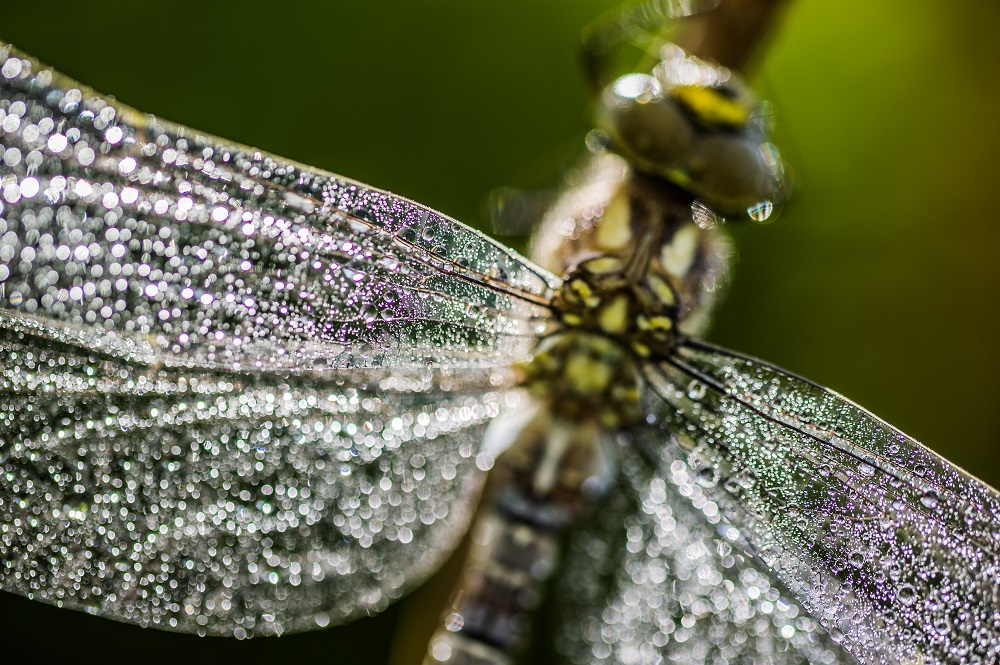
{"x":886,"y":543}
{"x":124,"y":231}
{"x":237,"y":395}
{"x":224,"y":504}
{"x":659,"y":576}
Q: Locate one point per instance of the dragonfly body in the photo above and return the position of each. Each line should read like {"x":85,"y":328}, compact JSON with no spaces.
{"x":637,"y":270}
{"x":645,"y":268}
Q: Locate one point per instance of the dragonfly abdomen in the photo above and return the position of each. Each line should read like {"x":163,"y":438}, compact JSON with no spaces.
{"x":488,"y":622}
{"x":551,"y":472}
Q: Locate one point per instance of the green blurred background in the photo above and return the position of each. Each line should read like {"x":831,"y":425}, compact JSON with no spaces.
{"x":881,"y":280}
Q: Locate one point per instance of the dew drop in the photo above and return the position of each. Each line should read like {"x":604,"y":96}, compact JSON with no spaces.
{"x":761,"y":212}
{"x":696,"y":390}
{"x":707,"y":477}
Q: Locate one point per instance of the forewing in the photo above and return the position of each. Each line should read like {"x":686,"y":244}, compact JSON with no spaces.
{"x":238,"y":395}
{"x":127,"y":233}
{"x":879,"y":538}
{"x":226,"y":504}
{"x":659,"y":577}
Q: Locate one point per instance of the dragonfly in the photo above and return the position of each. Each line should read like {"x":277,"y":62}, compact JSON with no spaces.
{"x":158,"y":415}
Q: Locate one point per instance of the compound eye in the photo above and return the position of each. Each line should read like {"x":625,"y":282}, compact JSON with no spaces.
{"x":644,"y":123}
{"x":731,"y":172}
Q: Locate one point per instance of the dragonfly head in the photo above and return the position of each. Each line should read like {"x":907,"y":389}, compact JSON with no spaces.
{"x":698,"y":126}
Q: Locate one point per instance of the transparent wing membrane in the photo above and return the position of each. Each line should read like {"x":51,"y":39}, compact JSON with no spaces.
{"x":891,"y":547}
{"x":659,"y":577}
{"x":226,"y":504}
{"x":206,"y":253}
{"x":237,"y":395}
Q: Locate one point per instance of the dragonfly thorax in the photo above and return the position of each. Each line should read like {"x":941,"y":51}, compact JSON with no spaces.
{"x":584,"y":376}
{"x":620,"y":231}
{"x":601,"y":297}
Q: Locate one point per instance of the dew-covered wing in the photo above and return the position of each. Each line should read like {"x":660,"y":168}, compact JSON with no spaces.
{"x":659,"y":577}
{"x":886,"y":543}
{"x":123,"y":232}
{"x":228,"y":504}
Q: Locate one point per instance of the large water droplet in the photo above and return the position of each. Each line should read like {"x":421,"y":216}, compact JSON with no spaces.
{"x":761,"y":212}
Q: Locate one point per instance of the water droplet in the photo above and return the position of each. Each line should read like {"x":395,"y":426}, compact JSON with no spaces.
{"x":761,"y":212}
{"x":696,"y":390}
{"x":454,"y":622}
{"x":748,"y":479}
{"x":631,"y":88}
{"x":707,"y":476}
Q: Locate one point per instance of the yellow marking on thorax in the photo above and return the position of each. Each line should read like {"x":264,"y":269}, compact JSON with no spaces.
{"x":654,"y":323}
{"x":615,"y":229}
{"x":585,"y":293}
{"x":583,"y":375}
{"x":661,"y":289}
{"x":613,"y":317}
{"x":590,"y":376}
{"x":605,"y":265}
{"x":678,"y":255}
